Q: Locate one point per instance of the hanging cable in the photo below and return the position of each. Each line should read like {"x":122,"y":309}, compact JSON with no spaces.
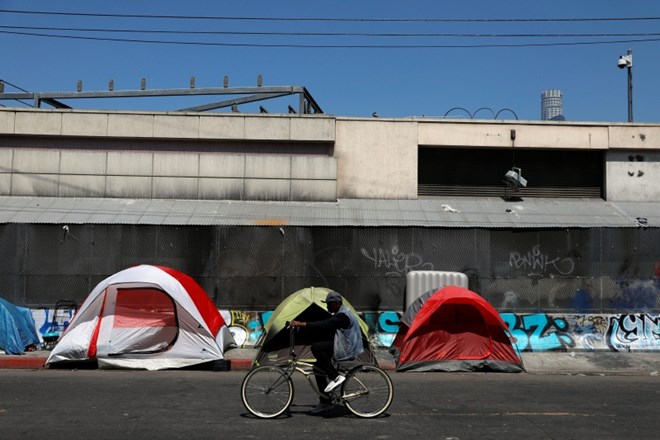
{"x":332,"y":46}
{"x":337,"y":19}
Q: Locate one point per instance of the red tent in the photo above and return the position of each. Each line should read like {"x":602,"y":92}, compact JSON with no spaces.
{"x":454,"y":329}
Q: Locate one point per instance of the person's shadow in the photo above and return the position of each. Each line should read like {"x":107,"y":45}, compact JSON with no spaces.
{"x":339,"y":411}
{"x":331,"y":413}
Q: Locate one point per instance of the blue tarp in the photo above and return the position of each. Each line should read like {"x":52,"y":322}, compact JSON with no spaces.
{"x":17,"y":328}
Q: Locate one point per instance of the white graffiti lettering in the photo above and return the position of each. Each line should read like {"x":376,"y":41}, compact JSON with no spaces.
{"x":634,"y":332}
{"x":395,"y":263}
{"x":539,"y":264}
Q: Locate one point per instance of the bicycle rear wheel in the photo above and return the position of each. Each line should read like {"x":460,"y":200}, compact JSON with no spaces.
{"x":267,"y":392}
{"x":367,"y":391}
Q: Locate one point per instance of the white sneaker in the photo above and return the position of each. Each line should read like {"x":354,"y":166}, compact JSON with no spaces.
{"x":335,"y":383}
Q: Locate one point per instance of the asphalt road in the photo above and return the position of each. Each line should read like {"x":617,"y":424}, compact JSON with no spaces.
{"x":111,"y":404}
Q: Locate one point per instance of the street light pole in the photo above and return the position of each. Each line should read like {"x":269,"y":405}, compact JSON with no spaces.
{"x":625,"y":61}
{"x":630,"y":87}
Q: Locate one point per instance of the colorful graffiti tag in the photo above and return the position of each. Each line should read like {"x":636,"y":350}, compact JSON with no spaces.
{"x":537,"y":332}
{"x":246,"y":327}
{"x":634,"y":332}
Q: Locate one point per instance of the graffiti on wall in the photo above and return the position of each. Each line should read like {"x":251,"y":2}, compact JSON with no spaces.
{"x":540,"y":265}
{"x":634,"y":332}
{"x":395,"y":262}
{"x":588,"y":332}
{"x":246,"y":327}
{"x":383,"y":327}
{"x":50,"y":323}
{"x":538,"y":332}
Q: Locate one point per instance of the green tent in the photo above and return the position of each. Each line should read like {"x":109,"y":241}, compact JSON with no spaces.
{"x":304,"y":305}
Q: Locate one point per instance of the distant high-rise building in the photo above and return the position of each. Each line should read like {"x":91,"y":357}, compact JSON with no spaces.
{"x":551,"y":105}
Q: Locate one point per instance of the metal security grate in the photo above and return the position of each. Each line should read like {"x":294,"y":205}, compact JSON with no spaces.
{"x":480,"y":172}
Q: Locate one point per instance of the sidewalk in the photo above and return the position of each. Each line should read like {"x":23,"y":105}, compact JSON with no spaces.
{"x":593,"y":363}
{"x":241,"y":359}
{"x":571,"y":363}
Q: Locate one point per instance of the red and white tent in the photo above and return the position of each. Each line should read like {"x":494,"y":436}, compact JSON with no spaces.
{"x":145,"y":317}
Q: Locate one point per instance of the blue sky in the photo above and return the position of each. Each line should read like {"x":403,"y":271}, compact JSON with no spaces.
{"x":350,"y":81}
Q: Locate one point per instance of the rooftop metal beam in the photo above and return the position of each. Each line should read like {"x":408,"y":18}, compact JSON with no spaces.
{"x":230,"y":102}
{"x":307,"y":102}
{"x":53,"y":102}
{"x":310,"y":100}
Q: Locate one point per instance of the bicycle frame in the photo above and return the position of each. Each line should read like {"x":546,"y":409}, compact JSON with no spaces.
{"x":306,"y":369}
{"x":361,"y":393}
{"x":296,"y":365}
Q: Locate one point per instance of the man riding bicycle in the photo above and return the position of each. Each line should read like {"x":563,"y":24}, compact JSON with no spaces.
{"x":345,"y":344}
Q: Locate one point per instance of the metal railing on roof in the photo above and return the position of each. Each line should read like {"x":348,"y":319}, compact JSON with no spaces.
{"x":239,"y":96}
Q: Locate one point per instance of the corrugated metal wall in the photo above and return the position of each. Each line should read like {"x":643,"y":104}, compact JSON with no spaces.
{"x":254,"y":268}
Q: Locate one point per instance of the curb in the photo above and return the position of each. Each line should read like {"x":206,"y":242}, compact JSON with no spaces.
{"x":535,"y":363}
{"x":17,"y":362}
{"x":241,"y":364}
{"x":38,"y":362}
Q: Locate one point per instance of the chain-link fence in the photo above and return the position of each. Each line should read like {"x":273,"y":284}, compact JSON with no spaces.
{"x":603,"y":270}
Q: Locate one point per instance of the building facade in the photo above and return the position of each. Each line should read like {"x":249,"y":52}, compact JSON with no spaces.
{"x":552,"y":107}
{"x":258,"y":206}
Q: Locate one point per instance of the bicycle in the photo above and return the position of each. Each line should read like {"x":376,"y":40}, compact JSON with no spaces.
{"x":267,"y":391}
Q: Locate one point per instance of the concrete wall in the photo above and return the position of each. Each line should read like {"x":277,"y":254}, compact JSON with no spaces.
{"x":633,"y":175}
{"x":377,"y":159}
{"x":166,"y":125}
{"x":373,"y":157}
{"x":73,"y":172}
{"x":527,"y":135}
{"x":633,"y":164}
{"x":164,"y":175}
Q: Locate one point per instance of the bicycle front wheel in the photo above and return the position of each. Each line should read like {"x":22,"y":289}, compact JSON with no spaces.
{"x":267,"y":391}
{"x":367,"y":391}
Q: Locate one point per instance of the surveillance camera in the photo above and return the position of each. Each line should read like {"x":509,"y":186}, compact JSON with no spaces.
{"x":622,"y":63}
{"x":515,"y":179}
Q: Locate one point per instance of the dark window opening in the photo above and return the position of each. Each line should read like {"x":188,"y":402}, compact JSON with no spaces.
{"x":480,"y":172}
